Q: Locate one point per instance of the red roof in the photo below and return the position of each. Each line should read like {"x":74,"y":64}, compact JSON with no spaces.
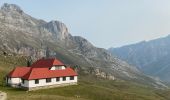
{"x":40,"y":69}
{"x":19,"y":72}
{"x":40,"y":73}
{"x":46,"y":63}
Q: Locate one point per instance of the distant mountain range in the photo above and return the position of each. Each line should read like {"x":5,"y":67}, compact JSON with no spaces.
{"x":21,"y":34}
{"x":151,"y":57}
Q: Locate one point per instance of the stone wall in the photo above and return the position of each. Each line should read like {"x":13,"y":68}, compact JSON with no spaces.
{"x":49,"y":86}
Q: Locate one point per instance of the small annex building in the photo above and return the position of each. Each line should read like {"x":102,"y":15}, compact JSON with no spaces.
{"x":44,"y":73}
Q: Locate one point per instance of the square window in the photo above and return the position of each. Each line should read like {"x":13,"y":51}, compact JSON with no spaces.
{"x":48,"y":80}
{"x":36,"y":81}
{"x":64,"y":78}
{"x":71,"y":77}
{"x":57,"y":79}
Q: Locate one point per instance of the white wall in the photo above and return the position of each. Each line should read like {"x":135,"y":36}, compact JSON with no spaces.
{"x":42,"y":82}
{"x":26,"y":83}
{"x":14,"y":80}
{"x":56,"y":67}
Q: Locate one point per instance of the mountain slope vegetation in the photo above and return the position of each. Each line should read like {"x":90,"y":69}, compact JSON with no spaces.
{"x":89,"y":87}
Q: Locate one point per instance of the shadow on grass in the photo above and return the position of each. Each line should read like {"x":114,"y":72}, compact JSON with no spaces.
{"x":6,"y":88}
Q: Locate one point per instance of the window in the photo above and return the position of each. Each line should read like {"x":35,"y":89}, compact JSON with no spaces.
{"x":57,"y":79}
{"x":64,"y":78}
{"x":71,"y":77}
{"x":48,"y":80}
{"x":58,"y":67}
{"x":23,"y":81}
{"x":36,"y":81}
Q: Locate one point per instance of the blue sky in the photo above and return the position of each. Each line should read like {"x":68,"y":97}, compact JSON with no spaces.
{"x":105,"y":23}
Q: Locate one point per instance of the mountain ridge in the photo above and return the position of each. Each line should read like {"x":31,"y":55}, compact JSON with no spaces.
{"x":150,"y":56}
{"x":24,"y":35}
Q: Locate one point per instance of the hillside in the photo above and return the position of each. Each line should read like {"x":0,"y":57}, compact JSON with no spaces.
{"x":151,"y":57}
{"x":89,"y":88}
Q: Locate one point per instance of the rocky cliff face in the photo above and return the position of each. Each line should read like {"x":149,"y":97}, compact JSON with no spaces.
{"x":58,"y":29}
{"x":151,"y":57}
{"x":24,"y":35}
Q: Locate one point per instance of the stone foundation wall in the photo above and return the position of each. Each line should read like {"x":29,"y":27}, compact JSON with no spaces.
{"x":50,"y":86}
{"x":14,"y":85}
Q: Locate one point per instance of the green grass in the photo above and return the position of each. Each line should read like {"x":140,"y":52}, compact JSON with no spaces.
{"x":88,"y":88}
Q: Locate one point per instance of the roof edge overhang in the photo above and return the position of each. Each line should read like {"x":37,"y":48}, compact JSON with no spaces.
{"x":48,"y":77}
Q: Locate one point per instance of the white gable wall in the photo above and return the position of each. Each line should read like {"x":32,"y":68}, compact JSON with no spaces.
{"x":42,"y":82}
{"x":58,"y":67}
{"x":14,"y":81}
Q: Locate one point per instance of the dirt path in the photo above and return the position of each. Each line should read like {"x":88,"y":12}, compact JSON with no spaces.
{"x":3,"y":96}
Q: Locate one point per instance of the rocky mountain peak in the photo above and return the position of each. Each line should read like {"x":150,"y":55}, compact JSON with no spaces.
{"x":11,"y":7}
{"x":57,"y":28}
